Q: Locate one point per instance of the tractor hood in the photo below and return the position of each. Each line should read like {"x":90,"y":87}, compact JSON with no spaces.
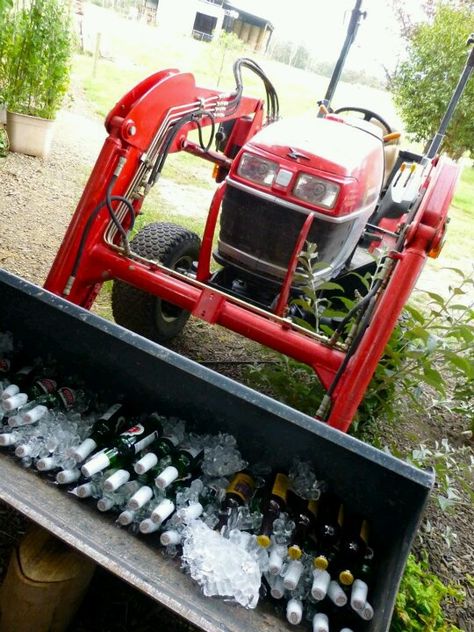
{"x":340,"y":147}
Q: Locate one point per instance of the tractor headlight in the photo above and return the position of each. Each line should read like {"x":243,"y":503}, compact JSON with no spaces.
{"x":257,"y":169}
{"x":316,"y":190}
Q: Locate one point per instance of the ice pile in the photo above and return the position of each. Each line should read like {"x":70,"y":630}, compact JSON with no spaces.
{"x":221,"y":455}
{"x":304,"y":482}
{"x":222,"y":567}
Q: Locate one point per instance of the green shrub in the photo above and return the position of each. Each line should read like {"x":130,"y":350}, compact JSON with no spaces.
{"x":420,"y":600}
{"x":35,"y":55}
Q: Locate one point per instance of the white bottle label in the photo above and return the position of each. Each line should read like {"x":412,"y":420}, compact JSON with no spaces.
{"x":145,"y":442}
{"x":110,"y":412}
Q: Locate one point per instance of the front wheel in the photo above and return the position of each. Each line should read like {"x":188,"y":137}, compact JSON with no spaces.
{"x":148,"y":315}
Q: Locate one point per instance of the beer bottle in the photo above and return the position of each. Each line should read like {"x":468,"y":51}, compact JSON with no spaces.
{"x":184,"y":462}
{"x":328,"y":529}
{"x":360,"y":587}
{"x":305,"y":520}
{"x":159,"y":455}
{"x":125,"y":447}
{"x":239,"y":492}
{"x":272,"y":506}
{"x":352,"y":547}
{"x":104,"y":430}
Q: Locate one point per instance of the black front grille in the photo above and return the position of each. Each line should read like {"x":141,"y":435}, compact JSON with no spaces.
{"x":269,"y":231}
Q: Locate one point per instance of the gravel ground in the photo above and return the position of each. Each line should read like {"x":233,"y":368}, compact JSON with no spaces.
{"x":37,"y":199}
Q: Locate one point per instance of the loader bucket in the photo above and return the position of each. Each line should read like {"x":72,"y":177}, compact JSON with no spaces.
{"x":112,"y":360}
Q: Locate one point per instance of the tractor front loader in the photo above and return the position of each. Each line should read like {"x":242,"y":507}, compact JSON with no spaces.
{"x":336,"y":179}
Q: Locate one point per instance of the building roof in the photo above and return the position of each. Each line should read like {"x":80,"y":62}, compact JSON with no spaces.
{"x":244,"y":9}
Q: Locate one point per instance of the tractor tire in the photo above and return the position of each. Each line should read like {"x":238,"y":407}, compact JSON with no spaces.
{"x":146,"y":314}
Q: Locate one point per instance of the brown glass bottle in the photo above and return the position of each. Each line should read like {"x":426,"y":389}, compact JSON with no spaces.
{"x":238,"y":493}
{"x":328,"y":529}
{"x":352,"y":547}
{"x":273,"y":504}
{"x":304,"y":513}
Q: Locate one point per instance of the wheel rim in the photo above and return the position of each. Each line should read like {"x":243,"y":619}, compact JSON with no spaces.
{"x":168,"y":312}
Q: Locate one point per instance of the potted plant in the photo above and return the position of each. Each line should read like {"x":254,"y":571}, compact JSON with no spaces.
{"x":35,"y":63}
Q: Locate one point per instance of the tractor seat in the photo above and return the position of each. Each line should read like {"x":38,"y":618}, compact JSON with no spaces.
{"x":391,"y":149}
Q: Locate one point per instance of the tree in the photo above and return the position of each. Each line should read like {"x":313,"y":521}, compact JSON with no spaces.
{"x":423,"y":84}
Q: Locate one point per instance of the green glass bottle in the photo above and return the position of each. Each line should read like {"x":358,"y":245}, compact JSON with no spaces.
{"x":125,"y":447}
{"x":184,"y":462}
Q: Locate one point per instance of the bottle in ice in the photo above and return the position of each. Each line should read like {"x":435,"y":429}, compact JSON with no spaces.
{"x":184,"y":462}
{"x":328,"y":529}
{"x":63,"y":399}
{"x":125,"y":447}
{"x":239,"y":492}
{"x":304,"y":513}
{"x":352,"y":547}
{"x":103,"y":431}
{"x":158,"y":454}
{"x":273,"y":504}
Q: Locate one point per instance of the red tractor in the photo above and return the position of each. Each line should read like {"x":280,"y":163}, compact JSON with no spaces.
{"x":334,"y":179}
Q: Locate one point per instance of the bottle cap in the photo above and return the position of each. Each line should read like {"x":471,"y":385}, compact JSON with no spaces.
{"x":7,"y":438}
{"x":191,"y":512}
{"x":81,"y":452}
{"x":294,"y":611}
{"x":294,"y":552}
{"x":275,"y":562}
{"x":293,"y":574}
{"x":140,"y":498}
{"x":336,"y":594}
{"x":321,"y":562}
{"x":277,"y":591}
{"x":15,"y":401}
{"x":320,"y":622}
{"x":359,"y":594}
{"x":162,"y":511}
{"x":105,"y":504}
{"x":170,"y":537}
{"x":96,"y":464}
{"x":148,"y":526}
{"x":263,"y":541}
{"x":84,"y":491}
{"x":167,"y":476}
{"x":367,"y":612}
{"x":126,"y":517}
{"x":34,"y":414}
{"x":46,"y":464}
{"x":10,"y":391}
{"x":145,"y":463}
{"x":68,"y":476}
{"x":320,"y":584}
{"x":116,"y":480}
{"x":23,"y":450}
{"x":346,"y":578}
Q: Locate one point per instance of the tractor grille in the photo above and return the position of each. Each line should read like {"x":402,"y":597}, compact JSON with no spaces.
{"x":260,"y":235}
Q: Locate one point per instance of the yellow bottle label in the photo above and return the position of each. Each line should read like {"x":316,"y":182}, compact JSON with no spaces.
{"x":364,"y":531}
{"x":340,"y":516}
{"x":243,"y":486}
{"x":313,"y":507}
{"x":280,"y":486}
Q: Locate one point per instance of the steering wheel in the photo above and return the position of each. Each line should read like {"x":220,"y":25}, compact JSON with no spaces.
{"x":368,"y":116}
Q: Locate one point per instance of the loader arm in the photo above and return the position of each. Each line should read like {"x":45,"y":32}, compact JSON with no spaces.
{"x":166,"y":104}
